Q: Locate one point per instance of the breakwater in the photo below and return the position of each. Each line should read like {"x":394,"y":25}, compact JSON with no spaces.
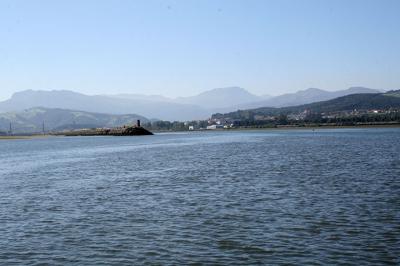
{"x":122,"y":131}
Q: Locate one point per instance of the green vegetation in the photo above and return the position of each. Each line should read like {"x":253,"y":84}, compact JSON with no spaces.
{"x":393,"y":93}
{"x":356,"y":108}
{"x":318,"y":120}
{"x":365,"y":101}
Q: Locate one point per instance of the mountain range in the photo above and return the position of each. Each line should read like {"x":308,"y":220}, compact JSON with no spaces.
{"x":101,"y":104}
{"x":197,"y":107}
{"x":306,"y":96}
{"x":31,"y":120}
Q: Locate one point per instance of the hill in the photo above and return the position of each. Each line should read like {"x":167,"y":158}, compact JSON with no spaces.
{"x":31,"y":120}
{"x":220,"y":98}
{"x":362,"y":101}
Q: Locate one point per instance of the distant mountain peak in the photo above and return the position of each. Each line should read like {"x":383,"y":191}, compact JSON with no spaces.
{"x":31,"y":92}
{"x":220,"y":97}
{"x":313,"y":90}
{"x":359,"y":89}
{"x":310,"y":91}
{"x":228,"y":89}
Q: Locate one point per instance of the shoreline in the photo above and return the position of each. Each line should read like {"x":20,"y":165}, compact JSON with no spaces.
{"x":21,"y":137}
{"x":313,"y":127}
{"x":284,"y":128}
{"x":322,"y":127}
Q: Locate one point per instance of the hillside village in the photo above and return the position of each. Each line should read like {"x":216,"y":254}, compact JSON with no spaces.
{"x":356,"y":108}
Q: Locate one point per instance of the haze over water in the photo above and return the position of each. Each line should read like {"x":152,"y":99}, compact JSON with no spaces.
{"x":243,"y":197}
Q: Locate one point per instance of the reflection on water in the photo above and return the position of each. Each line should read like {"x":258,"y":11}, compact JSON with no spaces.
{"x":268,"y":197}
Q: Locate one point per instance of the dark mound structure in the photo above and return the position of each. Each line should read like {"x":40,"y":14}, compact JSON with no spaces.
{"x":121,"y":131}
{"x":130,"y":131}
{"x":124,"y":131}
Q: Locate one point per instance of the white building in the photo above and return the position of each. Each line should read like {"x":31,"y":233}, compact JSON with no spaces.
{"x":215,"y":127}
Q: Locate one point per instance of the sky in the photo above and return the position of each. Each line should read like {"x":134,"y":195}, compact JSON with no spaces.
{"x":181,"y":48}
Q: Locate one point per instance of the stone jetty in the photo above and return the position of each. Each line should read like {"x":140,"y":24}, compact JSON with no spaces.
{"x":136,"y":130}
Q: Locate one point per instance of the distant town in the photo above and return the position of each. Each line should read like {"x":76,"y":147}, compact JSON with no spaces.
{"x":302,"y":119}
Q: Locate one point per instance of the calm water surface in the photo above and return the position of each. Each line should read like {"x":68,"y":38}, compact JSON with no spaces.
{"x":254,"y":197}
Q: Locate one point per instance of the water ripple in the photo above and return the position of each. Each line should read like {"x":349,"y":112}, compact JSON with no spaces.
{"x":256,"y":197}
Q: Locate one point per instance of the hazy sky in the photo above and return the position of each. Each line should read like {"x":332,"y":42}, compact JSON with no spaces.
{"x":185,"y":47}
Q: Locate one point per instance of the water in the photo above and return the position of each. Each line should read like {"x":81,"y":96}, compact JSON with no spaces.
{"x":250,"y":197}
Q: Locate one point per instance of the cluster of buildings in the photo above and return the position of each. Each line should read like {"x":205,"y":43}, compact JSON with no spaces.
{"x":355,"y":112}
{"x":226,"y":122}
{"x":219,"y":124}
{"x":212,"y":124}
{"x":249,"y":119}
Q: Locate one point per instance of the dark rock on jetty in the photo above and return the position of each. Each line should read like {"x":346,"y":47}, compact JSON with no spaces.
{"x":123,"y":131}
